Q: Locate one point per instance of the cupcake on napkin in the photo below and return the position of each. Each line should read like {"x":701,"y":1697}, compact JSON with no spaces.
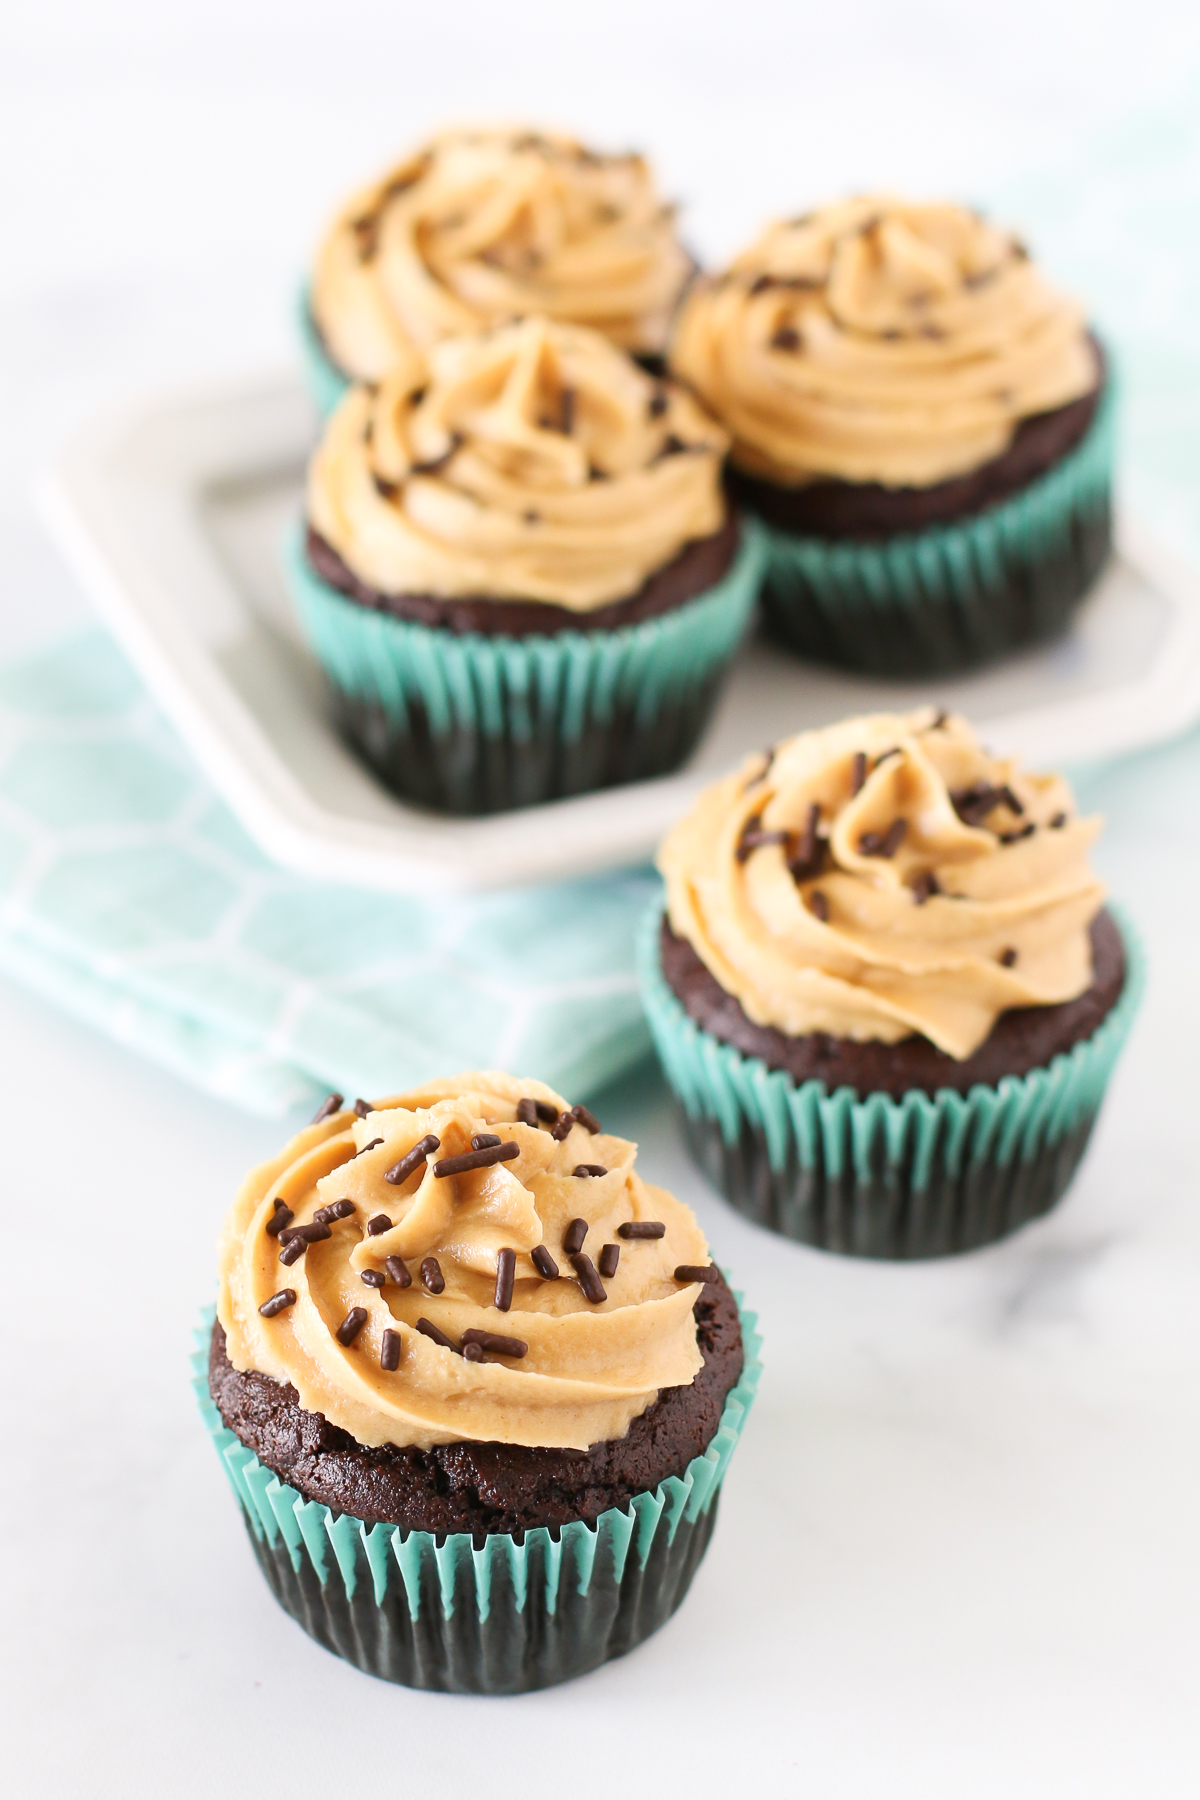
{"x":476,"y":1385}
{"x":483,"y":225}
{"x":520,"y":571}
{"x":886,"y":989}
{"x":924,"y":423}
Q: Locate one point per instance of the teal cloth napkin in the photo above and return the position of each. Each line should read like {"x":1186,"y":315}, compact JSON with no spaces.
{"x":130,"y":896}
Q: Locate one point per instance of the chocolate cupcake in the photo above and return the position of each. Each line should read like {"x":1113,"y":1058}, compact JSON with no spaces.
{"x":923,"y":423}
{"x":886,"y":990}
{"x":476,"y":1385}
{"x":519,"y":570}
{"x":481,"y":226}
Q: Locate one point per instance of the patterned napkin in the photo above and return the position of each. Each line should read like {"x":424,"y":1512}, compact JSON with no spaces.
{"x":130,"y":896}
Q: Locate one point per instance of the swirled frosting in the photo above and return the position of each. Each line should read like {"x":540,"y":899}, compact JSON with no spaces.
{"x":480,"y":226}
{"x":883,"y":878}
{"x":589,"y":1369}
{"x":879,"y":341}
{"x":530,"y":462}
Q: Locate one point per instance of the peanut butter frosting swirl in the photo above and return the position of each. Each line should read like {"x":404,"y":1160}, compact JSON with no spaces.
{"x":880,"y":341}
{"x":530,"y":462}
{"x":883,"y":878}
{"x":584,"y":1367}
{"x":480,"y":226}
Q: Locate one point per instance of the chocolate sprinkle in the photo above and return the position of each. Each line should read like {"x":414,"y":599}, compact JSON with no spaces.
{"x":588,"y":1120}
{"x":373,"y":1145}
{"x":389,"y":1351}
{"x":546,"y":1111}
{"x":786,"y":338}
{"x":428,"y":1329}
{"x":278,"y":1303}
{"x":574,"y":1235}
{"x":492,"y":1340}
{"x":362,"y":1108}
{"x":340,"y":1209}
{"x":697,"y":1272}
{"x":974,"y":803}
{"x":818,"y":906}
{"x":397,"y":1271}
{"x":475,"y":1159}
{"x":937,"y":722}
{"x":527,"y":1112}
{"x":314,"y":1233}
{"x":753,"y":839}
{"x":1056,"y":824}
{"x":485,"y":1140}
{"x":657,"y":404}
{"x":589,"y":1279}
{"x":885,"y":755}
{"x":292,"y":1251}
{"x":378,"y":1225}
{"x":412,"y":1159}
{"x":858,"y":772}
{"x":609,"y":1257}
{"x":351,"y":1325}
{"x":373,"y":1277}
{"x":332,"y":1103}
{"x":810,"y":854}
{"x":589,"y":1169}
{"x":883,"y":843}
{"x":642,"y":1228}
{"x":924,"y":887}
{"x":472,"y":1353}
{"x":1016,"y":837}
{"x":544,"y":1263}
{"x":1007,"y":958}
{"x":506,"y":1268}
{"x":562,"y":1126}
{"x":431,"y":1276}
{"x":283,"y":1216}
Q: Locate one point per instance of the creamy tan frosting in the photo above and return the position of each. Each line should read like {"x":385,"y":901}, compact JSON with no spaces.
{"x":880,"y":341}
{"x":479,"y":226}
{"x":874,"y":929}
{"x":533,"y":461}
{"x":590,"y":1368}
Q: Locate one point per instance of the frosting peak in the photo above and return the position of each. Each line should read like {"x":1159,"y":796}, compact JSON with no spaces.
{"x":479,"y":226}
{"x":886,"y":877}
{"x":532,"y":462}
{"x":880,"y":341}
{"x":586,"y":1369}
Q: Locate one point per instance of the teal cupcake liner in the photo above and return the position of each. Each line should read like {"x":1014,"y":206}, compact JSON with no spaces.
{"x":469,"y":723}
{"x":324,"y":380}
{"x":951,"y":596}
{"x":927,"y":1175}
{"x":499,"y":1617}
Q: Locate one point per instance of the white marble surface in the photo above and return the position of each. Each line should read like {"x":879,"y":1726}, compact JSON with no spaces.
{"x":958,"y":1547}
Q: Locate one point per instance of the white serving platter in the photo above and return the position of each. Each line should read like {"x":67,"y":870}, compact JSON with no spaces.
{"x":173,"y":514}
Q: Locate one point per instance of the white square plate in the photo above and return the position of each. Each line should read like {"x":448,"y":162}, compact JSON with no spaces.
{"x":173,"y":515}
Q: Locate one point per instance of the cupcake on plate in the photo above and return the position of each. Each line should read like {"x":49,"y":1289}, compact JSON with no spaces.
{"x":520,"y":571}
{"x":886,"y":989}
{"x":923,"y":422}
{"x":475,"y":1383}
{"x":480,"y":226}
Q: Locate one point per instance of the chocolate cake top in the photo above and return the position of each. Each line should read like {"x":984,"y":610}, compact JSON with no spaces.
{"x":880,"y":341}
{"x":886,"y":877}
{"x":474,"y":1260}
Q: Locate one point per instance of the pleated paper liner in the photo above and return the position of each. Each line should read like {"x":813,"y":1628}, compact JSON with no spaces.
{"x":501,"y":1618}
{"x":469,"y":723}
{"x":324,"y":380}
{"x":952,"y":596}
{"x":927,"y":1175}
